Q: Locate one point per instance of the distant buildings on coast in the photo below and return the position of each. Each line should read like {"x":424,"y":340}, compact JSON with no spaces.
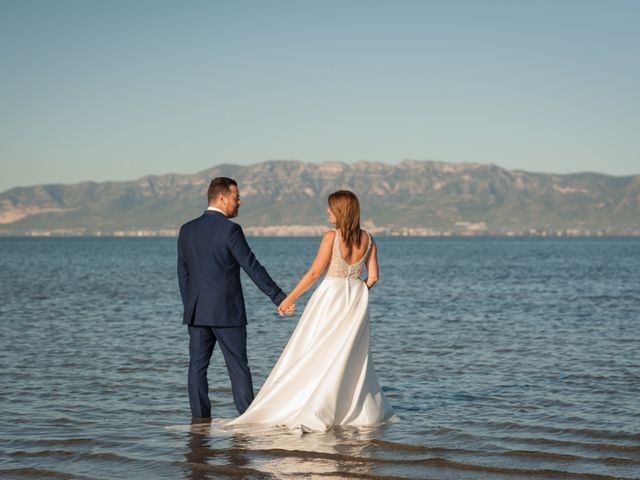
{"x":466,"y":229}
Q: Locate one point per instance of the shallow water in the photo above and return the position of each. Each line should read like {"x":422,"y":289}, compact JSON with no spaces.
{"x":504,"y":357}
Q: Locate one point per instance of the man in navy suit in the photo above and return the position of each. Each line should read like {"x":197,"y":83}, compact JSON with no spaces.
{"x":211,"y":250}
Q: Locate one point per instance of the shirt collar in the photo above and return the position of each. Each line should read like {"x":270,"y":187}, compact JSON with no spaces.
{"x":216,"y":210}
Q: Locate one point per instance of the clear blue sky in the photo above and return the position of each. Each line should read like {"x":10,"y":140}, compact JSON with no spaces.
{"x":110,"y":90}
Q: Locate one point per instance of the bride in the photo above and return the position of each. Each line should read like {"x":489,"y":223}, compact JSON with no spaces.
{"x":325,"y":376}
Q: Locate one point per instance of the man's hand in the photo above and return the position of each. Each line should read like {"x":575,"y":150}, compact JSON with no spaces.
{"x":287,"y":307}
{"x":289,"y":311}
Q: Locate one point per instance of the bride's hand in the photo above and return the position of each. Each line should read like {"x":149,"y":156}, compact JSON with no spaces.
{"x":287,"y":307}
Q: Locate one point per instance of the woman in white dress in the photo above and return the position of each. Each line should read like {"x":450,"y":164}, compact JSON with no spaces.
{"x":325,"y":376}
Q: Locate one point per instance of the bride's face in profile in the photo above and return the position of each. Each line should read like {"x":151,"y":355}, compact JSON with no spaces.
{"x":332,"y":217}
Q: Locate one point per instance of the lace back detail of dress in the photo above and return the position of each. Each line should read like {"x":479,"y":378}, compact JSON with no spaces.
{"x":338,"y":267}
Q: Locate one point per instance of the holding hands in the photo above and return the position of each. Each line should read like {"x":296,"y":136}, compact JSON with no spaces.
{"x":287,"y":307}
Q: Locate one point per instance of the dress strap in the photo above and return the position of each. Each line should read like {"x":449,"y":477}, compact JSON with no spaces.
{"x":366,"y":254}
{"x":336,"y":239}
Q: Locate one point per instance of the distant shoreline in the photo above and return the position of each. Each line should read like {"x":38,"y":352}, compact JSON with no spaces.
{"x":457,"y":229}
{"x":137,"y":234}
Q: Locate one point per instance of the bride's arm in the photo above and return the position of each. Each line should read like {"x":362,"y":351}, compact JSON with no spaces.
{"x":317,"y":267}
{"x":372,"y":266}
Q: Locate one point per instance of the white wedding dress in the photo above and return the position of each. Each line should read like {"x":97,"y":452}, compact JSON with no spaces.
{"x":325,"y":376}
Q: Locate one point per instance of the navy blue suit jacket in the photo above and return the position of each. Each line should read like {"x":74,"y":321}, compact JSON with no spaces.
{"x":211,"y":250}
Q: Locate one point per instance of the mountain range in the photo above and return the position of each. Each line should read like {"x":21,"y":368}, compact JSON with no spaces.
{"x":283,"y":197}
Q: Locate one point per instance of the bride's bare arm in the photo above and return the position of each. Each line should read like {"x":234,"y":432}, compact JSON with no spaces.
{"x":372,"y":266}
{"x":317,"y":267}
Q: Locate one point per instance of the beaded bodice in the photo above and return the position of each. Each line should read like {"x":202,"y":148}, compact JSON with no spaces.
{"x":338,"y":267}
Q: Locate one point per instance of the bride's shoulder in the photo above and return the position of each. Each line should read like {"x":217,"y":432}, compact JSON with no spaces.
{"x":326,"y":244}
{"x":366,"y":236}
{"x":329,"y":235}
{"x":328,"y":238}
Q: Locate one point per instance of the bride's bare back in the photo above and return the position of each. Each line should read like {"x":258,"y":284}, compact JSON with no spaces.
{"x":356,"y":252}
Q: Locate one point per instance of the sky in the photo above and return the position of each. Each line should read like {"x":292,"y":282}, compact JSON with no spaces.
{"x":115,"y":90}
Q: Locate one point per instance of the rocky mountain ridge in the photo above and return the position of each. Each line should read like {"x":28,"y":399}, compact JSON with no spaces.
{"x":283,"y":197}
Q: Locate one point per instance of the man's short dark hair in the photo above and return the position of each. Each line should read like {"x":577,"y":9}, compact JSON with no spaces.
{"x":220,"y":186}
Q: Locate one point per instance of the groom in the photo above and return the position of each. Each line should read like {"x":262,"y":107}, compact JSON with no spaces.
{"x":211,"y":250}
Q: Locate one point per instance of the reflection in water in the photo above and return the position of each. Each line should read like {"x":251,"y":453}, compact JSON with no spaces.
{"x":258,"y":451}
{"x":292,"y":452}
{"x":198,"y":451}
{"x":206,"y":462}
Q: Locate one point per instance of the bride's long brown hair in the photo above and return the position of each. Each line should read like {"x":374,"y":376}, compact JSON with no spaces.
{"x":346,"y":207}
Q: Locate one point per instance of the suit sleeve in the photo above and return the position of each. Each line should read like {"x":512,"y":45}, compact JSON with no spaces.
{"x":183,"y":272}
{"x":247,"y":260}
